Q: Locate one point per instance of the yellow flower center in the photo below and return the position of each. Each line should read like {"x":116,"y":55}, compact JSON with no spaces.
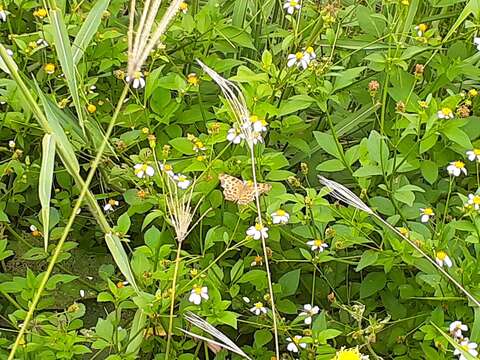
{"x":258,"y":305}
{"x":441,"y":255}
{"x":184,"y":6}
{"x":351,"y":354}
{"x":459,"y":164}
{"x":446,"y":111}
{"x":40,"y":12}
{"x":281,"y":212}
{"x":91,"y":108}
{"x":422,"y":27}
{"x":476,"y":200}
{"x":428,"y":211}
{"x":253,"y":118}
{"x":318,"y":242}
{"x":309,"y":50}
{"x":293,"y":3}
{"x":141,"y":168}
{"x":473,"y":92}
{"x":201,"y":158}
{"x":137,"y":75}
{"x":299,"y":55}
{"x":403,"y":231}
{"x":194,"y":272}
{"x":476,"y":151}
{"x":182,"y":178}
{"x":1,"y":8}
{"x":258,"y":259}
{"x":258,"y":227}
{"x":112,"y":202}
{"x":49,"y":68}
{"x":197,"y":289}
{"x":199,"y":144}
{"x":167,"y":167}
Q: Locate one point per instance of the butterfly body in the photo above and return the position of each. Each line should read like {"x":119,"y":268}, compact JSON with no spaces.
{"x":240,"y":191}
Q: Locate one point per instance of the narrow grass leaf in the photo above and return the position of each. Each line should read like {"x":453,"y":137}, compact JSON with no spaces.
{"x":64,"y":53}
{"x":121,"y":258}
{"x":469,"y":9}
{"x":88,"y":29}
{"x":68,"y":154}
{"x":45,"y":182}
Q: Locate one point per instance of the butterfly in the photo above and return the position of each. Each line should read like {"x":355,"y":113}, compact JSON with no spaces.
{"x":239,"y":191}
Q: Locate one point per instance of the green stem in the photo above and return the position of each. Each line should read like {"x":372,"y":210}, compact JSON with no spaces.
{"x":172,"y":303}
{"x":58,"y":248}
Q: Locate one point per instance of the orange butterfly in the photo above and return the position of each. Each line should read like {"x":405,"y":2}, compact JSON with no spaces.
{"x":239,"y":191}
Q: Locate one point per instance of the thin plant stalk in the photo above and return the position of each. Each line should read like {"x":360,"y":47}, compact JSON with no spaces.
{"x":58,"y":248}
{"x":172,"y":303}
{"x":265,"y":253}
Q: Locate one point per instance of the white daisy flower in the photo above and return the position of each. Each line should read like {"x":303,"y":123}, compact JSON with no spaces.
{"x":310,"y":52}
{"x":199,"y":146}
{"x":110,"y":205}
{"x":42,"y":42}
{"x":299,"y":59}
{"x":441,"y":258}
{"x":11,"y":144}
{"x":198,"y":293}
{"x":138,"y":81}
{"x":257,"y":261}
{"x":3,"y":14}
{"x":259,"y":125}
{"x":257,"y":231}
{"x":246,"y":299}
{"x":445,"y":113}
{"x":182,"y":181}
{"x":184,"y":7}
{"x":82,"y":293}
{"x":421,"y":28}
{"x":258,"y":309}
{"x":280,"y":217}
{"x":426,"y":214}
{"x":474,"y":200}
{"x":468,"y":347}
{"x":142,"y":170}
{"x":235,"y":136}
{"x":473,"y":155}
{"x":309,"y":311}
{"x":476,"y":42}
{"x":317,"y":245}
{"x":291,"y":6}
{"x":256,"y":137}
{"x":456,"y":168}
{"x":456,"y":329}
{"x":295,"y":343}
{"x":168,"y":169}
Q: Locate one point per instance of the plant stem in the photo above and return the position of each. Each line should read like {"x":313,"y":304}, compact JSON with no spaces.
{"x":172,"y":303}
{"x":265,"y":253}
{"x":58,"y":248}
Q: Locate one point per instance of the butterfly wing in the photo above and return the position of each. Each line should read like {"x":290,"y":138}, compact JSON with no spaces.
{"x":247,"y":195}
{"x":232,"y":187}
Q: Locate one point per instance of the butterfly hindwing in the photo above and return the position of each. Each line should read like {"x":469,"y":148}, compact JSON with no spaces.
{"x":241,"y":192}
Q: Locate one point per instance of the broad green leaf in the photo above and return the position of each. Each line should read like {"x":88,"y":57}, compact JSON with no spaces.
{"x":289,"y":282}
{"x":327,"y":143}
{"x":372,"y":283}
{"x":45,"y":182}
{"x":88,"y":29}
{"x":368,"y":258}
{"x":65,"y":56}
{"x":121,"y":258}
{"x":136,"y":332}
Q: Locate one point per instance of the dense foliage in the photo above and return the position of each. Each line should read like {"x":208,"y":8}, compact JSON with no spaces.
{"x":128,"y":201}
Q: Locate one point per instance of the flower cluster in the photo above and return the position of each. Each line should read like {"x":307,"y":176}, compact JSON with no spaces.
{"x":302,"y":58}
{"x":456,"y":329}
{"x":442,"y":259}
{"x":251,"y":130}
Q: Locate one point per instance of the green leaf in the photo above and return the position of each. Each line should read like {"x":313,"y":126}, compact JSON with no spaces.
{"x":121,"y":259}
{"x":327,"y":143}
{"x":65,"y":56}
{"x":45,"y":182}
{"x":136,"y":332}
{"x":88,"y":29}
{"x":429,"y":171}
{"x":295,"y":103}
{"x":289,"y":282}
{"x":368,"y":258}
{"x":331,"y":165}
{"x":372,"y":283}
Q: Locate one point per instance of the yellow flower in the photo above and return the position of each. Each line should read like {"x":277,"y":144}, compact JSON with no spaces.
{"x":192,"y":79}
{"x":91,"y":108}
{"x":349,"y":354}
{"x":145,"y":130}
{"x":49,"y":68}
{"x":41,"y":13}
{"x":184,"y":7}
{"x":472,"y":92}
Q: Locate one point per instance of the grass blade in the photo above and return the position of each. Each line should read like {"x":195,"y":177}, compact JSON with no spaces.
{"x":471,"y":8}
{"x":64,"y":53}
{"x":121,"y":258}
{"x":45,"y":182}
{"x":88,"y":29}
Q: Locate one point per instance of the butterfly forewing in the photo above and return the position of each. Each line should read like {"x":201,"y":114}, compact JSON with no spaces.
{"x":241,"y":192}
